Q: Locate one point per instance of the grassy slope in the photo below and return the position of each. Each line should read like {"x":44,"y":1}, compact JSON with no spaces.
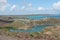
{"x":50,"y":33}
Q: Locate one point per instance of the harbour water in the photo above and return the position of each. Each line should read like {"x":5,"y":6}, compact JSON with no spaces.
{"x":38,"y":28}
{"x":34,"y":29}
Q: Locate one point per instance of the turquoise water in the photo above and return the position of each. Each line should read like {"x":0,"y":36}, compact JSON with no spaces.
{"x":41,"y":17}
{"x":35,"y":28}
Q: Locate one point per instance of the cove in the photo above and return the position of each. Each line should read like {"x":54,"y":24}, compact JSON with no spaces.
{"x":38,"y":28}
{"x":34,"y":29}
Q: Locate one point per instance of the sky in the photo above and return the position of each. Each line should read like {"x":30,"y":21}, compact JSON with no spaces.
{"x":26,"y":7}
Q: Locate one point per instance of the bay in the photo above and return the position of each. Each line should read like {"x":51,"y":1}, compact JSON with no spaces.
{"x":37,"y":28}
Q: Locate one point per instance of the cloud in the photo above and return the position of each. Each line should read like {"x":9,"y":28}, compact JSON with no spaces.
{"x":23,"y":7}
{"x":13,"y":7}
{"x":3,"y":5}
{"x":28,"y":9}
{"x":4,"y":1}
{"x":56,"y":5}
{"x":40,"y":8}
{"x":30,"y":4}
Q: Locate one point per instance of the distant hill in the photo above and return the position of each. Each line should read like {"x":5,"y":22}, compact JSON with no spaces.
{"x":32,"y":15}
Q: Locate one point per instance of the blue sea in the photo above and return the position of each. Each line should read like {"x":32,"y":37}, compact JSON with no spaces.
{"x":38,"y":28}
{"x":42,"y":17}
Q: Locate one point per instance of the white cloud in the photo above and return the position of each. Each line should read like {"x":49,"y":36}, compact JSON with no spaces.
{"x":28,"y":8}
{"x":56,"y":5}
{"x":23,"y":7}
{"x":40,"y":8}
{"x":30,"y":4}
{"x":4,"y":1}
{"x":13,"y":7}
{"x":3,"y":5}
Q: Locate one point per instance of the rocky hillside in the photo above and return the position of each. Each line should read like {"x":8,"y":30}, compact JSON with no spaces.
{"x":26,"y":23}
{"x":49,"y":33}
{"x":48,"y":21}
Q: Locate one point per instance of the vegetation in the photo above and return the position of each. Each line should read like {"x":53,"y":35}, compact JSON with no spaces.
{"x":48,"y":21}
{"x":49,"y":33}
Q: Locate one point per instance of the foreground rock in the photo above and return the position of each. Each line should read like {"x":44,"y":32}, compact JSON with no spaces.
{"x":3,"y":37}
{"x":50,"y":33}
